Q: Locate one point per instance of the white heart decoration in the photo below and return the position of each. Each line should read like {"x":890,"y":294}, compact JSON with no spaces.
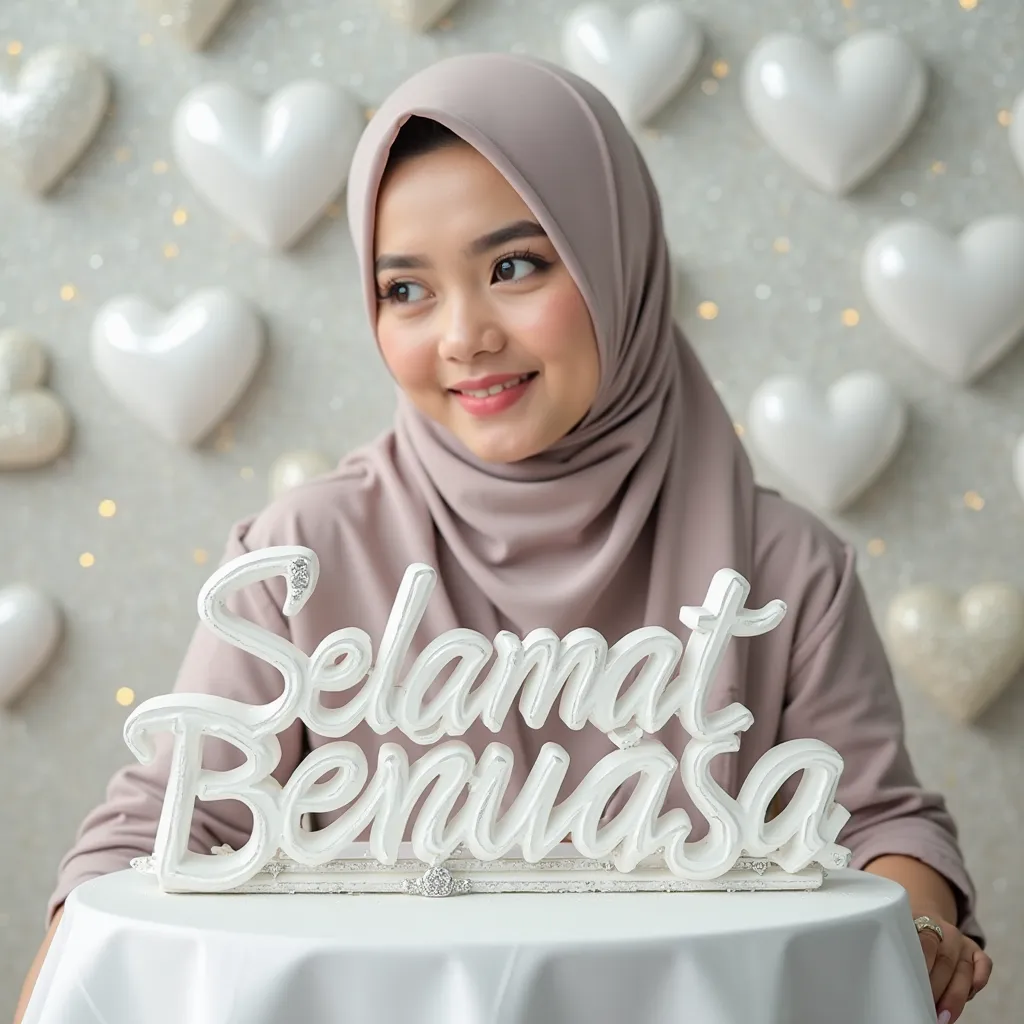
{"x":1016,"y":131}
{"x":832,"y":446}
{"x":1018,"y":465}
{"x":49,"y":116}
{"x":30,"y":627}
{"x":835,"y":118}
{"x":271,"y":170}
{"x":418,"y":15}
{"x":181,"y":373}
{"x":190,"y":21}
{"x":638,"y":62}
{"x":962,"y":653}
{"x":958,"y":303}
{"x":34,"y":423}
{"x":294,"y":469}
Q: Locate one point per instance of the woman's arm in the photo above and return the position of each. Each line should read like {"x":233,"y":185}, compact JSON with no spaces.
{"x":37,"y":964}
{"x":930,"y":895}
{"x":841,"y":690}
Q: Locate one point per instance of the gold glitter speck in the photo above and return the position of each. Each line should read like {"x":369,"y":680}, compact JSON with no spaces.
{"x":876,"y":547}
{"x":369,"y":112}
{"x":246,"y":473}
{"x":851,"y":317}
{"x":720,"y":68}
{"x":974,"y":501}
{"x":709,"y":87}
{"x":968,"y":5}
{"x":125,"y":696}
{"x":200,"y":556}
{"x":1005,"y":118}
{"x":939,"y":167}
{"x":122,"y":154}
{"x":160,"y":166}
{"x":68,"y":292}
{"x":86,"y":559}
{"x":707,"y":310}
{"x":107,"y":508}
{"x":14,"y":48}
{"x":781,"y":245}
{"x":171,"y":250}
{"x":739,"y":428}
{"x":179,"y":217}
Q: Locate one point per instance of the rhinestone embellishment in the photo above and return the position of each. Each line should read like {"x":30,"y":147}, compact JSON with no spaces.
{"x":298,"y":575}
{"x":438,"y":881}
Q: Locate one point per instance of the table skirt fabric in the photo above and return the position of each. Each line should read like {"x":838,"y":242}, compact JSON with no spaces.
{"x":125,"y":953}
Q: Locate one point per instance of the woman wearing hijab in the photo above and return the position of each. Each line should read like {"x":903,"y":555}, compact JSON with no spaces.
{"x":560,"y":457}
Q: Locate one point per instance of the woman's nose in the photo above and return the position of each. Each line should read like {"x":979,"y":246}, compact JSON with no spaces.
{"x":468,"y":329}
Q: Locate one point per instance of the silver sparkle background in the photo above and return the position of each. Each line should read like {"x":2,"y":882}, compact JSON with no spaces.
{"x":727,"y":199}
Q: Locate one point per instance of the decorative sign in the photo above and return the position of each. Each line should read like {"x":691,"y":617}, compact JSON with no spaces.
{"x":535,"y":844}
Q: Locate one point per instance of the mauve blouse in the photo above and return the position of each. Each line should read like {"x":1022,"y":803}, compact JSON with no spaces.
{"x":821,"y":673}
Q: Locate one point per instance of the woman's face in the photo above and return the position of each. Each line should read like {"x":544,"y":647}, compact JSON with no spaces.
{"x":478,"y":319}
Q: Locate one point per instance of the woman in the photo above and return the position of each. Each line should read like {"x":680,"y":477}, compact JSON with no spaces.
{"x":560,"y":457}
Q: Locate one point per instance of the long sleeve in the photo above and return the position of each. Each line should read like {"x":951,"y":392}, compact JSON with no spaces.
{"x":841,"y":691}
{"x":124,"y":825}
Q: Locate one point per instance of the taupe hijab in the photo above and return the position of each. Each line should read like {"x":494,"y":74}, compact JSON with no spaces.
{"x":652,"y":492}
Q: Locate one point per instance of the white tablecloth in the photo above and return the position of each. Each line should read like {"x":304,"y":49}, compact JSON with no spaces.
{"x":127,"y":954}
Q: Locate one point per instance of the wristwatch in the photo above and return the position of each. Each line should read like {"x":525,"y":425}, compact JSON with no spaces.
{"x":927,"y":924}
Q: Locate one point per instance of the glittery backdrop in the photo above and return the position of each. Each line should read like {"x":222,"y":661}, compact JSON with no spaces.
{"x":123,"y":529}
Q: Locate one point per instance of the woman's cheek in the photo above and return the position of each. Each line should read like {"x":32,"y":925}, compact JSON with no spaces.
{"x":556,"y":325}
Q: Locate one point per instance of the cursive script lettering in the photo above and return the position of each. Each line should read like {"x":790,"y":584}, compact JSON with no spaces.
{"x":579,"y":673}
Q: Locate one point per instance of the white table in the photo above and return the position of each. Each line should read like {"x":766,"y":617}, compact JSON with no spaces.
{"x":127,"y":954}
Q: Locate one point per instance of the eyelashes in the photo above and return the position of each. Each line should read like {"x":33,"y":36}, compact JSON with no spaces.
{"x":388,"y":293}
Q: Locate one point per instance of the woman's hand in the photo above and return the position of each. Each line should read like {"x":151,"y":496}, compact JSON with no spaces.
{"x":958,"y":968}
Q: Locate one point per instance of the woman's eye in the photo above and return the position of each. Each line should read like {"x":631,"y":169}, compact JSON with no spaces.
{"x":513,"y":268}
{"x":403,"y":291}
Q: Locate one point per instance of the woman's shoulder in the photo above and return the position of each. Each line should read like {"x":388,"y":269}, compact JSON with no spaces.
{"x":344,"y":507}
{"x":800,"y":560}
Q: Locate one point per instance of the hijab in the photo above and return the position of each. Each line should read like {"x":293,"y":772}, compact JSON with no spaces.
{"x":629,"y":515}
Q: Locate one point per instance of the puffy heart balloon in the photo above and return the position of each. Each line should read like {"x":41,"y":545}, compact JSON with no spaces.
{"x":835,"y":117}
{"x":418,"y":15}
{"x":49,"y":115}
{"x":34,"y":423}
{"x":193,"y":22}
{"x":294,"y":468}
{"x":957,"y":303}
{"x":829,"y":447}
{"x":961,"y":653}
{"x":182,"y":372}
{"x":30,"y":627}
{"x":638,"y":62}
{"x":270,"y":169}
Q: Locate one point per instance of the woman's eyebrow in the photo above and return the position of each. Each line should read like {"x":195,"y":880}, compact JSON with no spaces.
{"x":500,"y":236}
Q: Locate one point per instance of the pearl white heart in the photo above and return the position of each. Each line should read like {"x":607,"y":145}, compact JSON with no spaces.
{"x":271,"y":170}
{"x":638,"y":62}
{"x":957,"y":303}
{"x":1015,"y":133}
{"x":418,"y":15}
{"x":829,"y":447}
{"x":181,"y":373}
{"x":1018,"y":465}
{"x":837,"y":118}
{"x":963,"y":654}
{"x":49,"y":116}
{"x":34,"y":423}
{"x":294,"y":469}
{"x":30,"y":627}
{"x":191,"y":21}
